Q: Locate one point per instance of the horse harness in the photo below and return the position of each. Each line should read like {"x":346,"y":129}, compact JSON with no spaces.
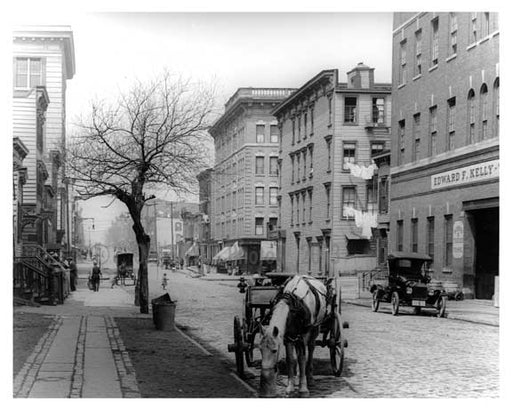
{"x":299,"y":309}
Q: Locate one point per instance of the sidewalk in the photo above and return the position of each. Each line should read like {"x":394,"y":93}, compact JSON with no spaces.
{"x":83,"y":355}
{"x":470,"y":310}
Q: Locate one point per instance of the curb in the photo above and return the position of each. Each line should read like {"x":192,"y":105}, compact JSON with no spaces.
{"x":448,"y":315}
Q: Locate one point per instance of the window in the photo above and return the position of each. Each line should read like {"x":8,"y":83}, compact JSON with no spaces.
{"x":304,"y":162}
{"x":378,"y":110}
{"x":303,"y":207}
{"x":328,"y":201}
{"x":272,"y":167}
{"x":496,"y":102}
{"x":474,"y":29}
{"x":312,"y":116}
{"x":471,"y":116}
{"x":291,"y":207}
{"x":400,"y":235}
{"x":330,"y":109}
{"x":383,"y":195}
{"x":308,"y":241}
{"x":274,"y":133}
{"x":29,"y":72}
{"x":305,"y":125}
{"x":293,"y":131}
{"x":401,"y":142}
{"x":260,"y":133}
{"x":272,"y":223}
{"x":298,"y":167}
{"x":259,"y":195}
{"x":310,"y":199}
{"x":417,"y":66}
{"x":299,"y":125}
{"x":414,"y":235}
{"x":272,"y":200}
{"x":348,"y":201}
{"x":260,"y":165}
{"x":448,"y":240}
{"x":430,"y":236}
{"x":450,"y":142}
{"x":350,"y":110}
{"x":349,"y":154}
{"x":433,"y":131}
{"x":258,"y":222}
{"x":403,"y":62}
{"x":297,"y":210}
{"x":417,"y":137}
{"x":376,"y":148}
{"x":483,"y":111}
{"x":435,"y":41}
{"x":329,"y":155}
{"x":292,"y":159}
{"x":371,"y":197}
{"x":453,"y":33}
{"x":486,"y":29}
{"x":310,"y":149}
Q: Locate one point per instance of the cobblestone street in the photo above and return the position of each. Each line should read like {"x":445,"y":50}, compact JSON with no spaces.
{"x":387,"y":356}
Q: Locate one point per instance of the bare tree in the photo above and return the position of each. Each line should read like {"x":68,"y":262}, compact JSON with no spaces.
{"x":154,"y":137}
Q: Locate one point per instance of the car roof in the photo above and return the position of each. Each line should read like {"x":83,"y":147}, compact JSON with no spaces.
{"x":409,"y":255}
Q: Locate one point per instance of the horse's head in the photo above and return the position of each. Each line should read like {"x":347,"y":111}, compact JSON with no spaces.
{"x":270,"y":344}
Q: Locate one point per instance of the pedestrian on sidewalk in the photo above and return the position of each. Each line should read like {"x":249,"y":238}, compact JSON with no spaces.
{"x":95,"y":276}
{"x":72,"y":274}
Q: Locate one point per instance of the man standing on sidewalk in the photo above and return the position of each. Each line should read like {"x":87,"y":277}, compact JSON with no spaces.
{"x":95,"y":276}
{"x":72,"y":274}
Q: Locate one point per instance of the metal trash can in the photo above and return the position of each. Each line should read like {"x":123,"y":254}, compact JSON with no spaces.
{"x":163,"y":312}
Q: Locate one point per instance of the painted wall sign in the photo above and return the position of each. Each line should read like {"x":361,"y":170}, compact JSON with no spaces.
{"x":458,"y":239}
{"x":474,"y":173}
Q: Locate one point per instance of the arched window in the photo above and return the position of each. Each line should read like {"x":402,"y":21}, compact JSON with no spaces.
{"x":471,"y":116}
{"x":496,"y":107}
{"x":484,"y":132}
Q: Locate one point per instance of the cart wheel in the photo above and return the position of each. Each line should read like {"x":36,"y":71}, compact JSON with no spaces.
{"x":239,"y":355}
{"x":248,"y":338}
{"x":336,"y":346}
{"x":441,"y":306}
{"x":395,"y":303}
{"x":375,"y":302}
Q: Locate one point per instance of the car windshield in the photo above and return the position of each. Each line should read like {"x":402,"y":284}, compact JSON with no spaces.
{"x":408,"y":268}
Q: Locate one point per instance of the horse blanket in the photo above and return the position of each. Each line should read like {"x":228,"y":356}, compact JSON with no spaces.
{"x":308,"y":296}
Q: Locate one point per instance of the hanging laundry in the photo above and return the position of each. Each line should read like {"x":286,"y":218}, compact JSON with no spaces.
{"x":364,"y":220}
{"x":362,"y":171}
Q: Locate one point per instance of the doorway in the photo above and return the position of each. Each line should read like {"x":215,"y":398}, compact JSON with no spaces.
{"x":486,"y":230}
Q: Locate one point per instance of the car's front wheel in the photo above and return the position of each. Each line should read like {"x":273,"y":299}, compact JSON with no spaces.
{"x":375,"y":302}
{"x":395,"y":303}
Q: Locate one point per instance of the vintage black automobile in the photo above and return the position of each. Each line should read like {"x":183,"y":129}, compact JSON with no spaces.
{"x":409,"y":284}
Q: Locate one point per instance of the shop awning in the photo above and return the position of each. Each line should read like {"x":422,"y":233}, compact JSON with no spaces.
{"x":222,"y":254}
{"x":235,"y":253}
{"x":352,"y":236}
{"x":193,"y":250}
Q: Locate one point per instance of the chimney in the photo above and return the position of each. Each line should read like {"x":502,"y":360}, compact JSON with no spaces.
{"x":360,"y":77}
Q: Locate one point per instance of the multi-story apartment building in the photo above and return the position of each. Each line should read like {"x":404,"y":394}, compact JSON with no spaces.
{"x":43,"y":62}
{"x":244,"y":179}
{"x":445,"y":144}
{"x":329,"y":131}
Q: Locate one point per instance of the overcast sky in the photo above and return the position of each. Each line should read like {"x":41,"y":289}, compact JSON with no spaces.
{"x":232,"y":49}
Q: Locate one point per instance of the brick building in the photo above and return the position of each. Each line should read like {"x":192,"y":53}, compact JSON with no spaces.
{"x":244,"y":178}
{"x":329,"y":130}
{"x":445,"y":146}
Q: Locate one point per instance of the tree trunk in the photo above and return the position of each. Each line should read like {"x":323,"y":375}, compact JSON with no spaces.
{"x":142,"y":293}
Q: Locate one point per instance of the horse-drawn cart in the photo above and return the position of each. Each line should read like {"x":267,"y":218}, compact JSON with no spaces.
{"x":260,"y":297}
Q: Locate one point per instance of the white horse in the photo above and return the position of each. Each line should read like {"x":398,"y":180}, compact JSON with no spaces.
{"x":295,"y":322}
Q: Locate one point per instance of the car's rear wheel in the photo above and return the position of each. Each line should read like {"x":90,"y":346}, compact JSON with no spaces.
{"x":395,"y":303}
{"x":375,"y":302}
{"x":441,"y":306}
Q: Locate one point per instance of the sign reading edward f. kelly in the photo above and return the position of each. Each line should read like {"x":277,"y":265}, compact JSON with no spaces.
{"x":466,"y":175}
